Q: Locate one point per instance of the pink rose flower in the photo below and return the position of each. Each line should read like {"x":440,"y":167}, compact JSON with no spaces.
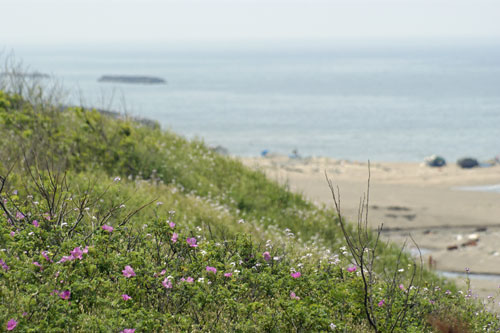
{"x":65,"y":294}
{"x":107,"y":228}
{"x":11,"y":324}
{"x":128,"y":272}
{"x":192,"y":242}
{"x":4,"y":265}
{"x":167,"y":283}
{"x":174,"y":237}
{"x":351,"y":269}
{"x":211,"y":269}
{"x":77,"y":253}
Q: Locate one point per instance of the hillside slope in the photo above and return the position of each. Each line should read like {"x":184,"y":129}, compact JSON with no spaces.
{"x":108,"y":224}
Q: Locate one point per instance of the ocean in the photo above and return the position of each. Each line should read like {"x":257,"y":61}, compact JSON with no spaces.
{"x":356,"y":101}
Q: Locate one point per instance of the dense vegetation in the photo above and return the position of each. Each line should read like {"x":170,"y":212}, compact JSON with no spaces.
{"x":111,"y":225}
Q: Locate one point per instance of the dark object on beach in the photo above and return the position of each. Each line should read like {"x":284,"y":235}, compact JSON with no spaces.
{"x":452,"y":247}
{"x":398,"y":208}
{"x":467,"y":163}
{"x":435,"y":161}
{"x":294,"y":154}
{"x":470,"y":243}
{"x":410,"y":217}
{"x":132,"y":79}
{"x":481,"y":229}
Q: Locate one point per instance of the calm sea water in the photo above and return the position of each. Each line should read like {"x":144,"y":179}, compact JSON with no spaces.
{"x":359,"y":102}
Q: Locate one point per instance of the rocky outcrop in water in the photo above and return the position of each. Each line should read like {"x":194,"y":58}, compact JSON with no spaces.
{"x":133,"y":79}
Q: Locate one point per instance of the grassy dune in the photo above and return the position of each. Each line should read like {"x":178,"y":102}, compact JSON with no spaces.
{"x":109,"y":224}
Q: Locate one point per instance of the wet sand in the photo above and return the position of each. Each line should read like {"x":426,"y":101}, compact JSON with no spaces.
{"x":457,"y":229}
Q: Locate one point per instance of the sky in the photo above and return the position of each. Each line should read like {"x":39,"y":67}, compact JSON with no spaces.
{"x":26,"y":22}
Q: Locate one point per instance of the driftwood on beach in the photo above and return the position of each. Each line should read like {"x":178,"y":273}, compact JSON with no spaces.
{"x":134,"y":79}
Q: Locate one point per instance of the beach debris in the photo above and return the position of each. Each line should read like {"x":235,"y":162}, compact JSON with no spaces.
{"x":470,"y":243}
{"x":467,"y":163}
{"x":432,"y":262}
{"x":452,"y":247}
{"x":473,"y":237}
{"x":435,"y":161}
{"x":459,"y":237}
{"x":481,"y":229}
{"x":410,"y":217}
{"x":295,"y":154}
{"x":426,"y":232}
{"x":398,"y":208}
{"x":486,"y":164}
{"x":264,"y":153}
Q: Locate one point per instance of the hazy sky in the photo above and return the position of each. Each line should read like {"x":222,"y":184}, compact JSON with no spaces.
{"x":118,"y":21}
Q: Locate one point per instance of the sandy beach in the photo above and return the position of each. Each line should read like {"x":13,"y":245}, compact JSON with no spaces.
{"x":456,"y":227}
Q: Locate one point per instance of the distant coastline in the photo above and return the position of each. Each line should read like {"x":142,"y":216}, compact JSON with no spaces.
{"x":33,"y":75}
{"x":133,"y":79}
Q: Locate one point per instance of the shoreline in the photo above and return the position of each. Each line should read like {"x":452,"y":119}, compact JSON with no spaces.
{"x":458,"y":228}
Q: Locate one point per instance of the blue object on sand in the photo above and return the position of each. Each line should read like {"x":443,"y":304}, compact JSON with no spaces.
{"x":435,"y":161}
{"x":264,"y":153}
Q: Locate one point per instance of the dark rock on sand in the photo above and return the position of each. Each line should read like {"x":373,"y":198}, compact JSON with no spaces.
{"x":467,"y":163}
{"x":435,"y":161}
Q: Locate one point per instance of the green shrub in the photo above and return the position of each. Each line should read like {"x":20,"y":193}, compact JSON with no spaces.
{"x":65,"y":272}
